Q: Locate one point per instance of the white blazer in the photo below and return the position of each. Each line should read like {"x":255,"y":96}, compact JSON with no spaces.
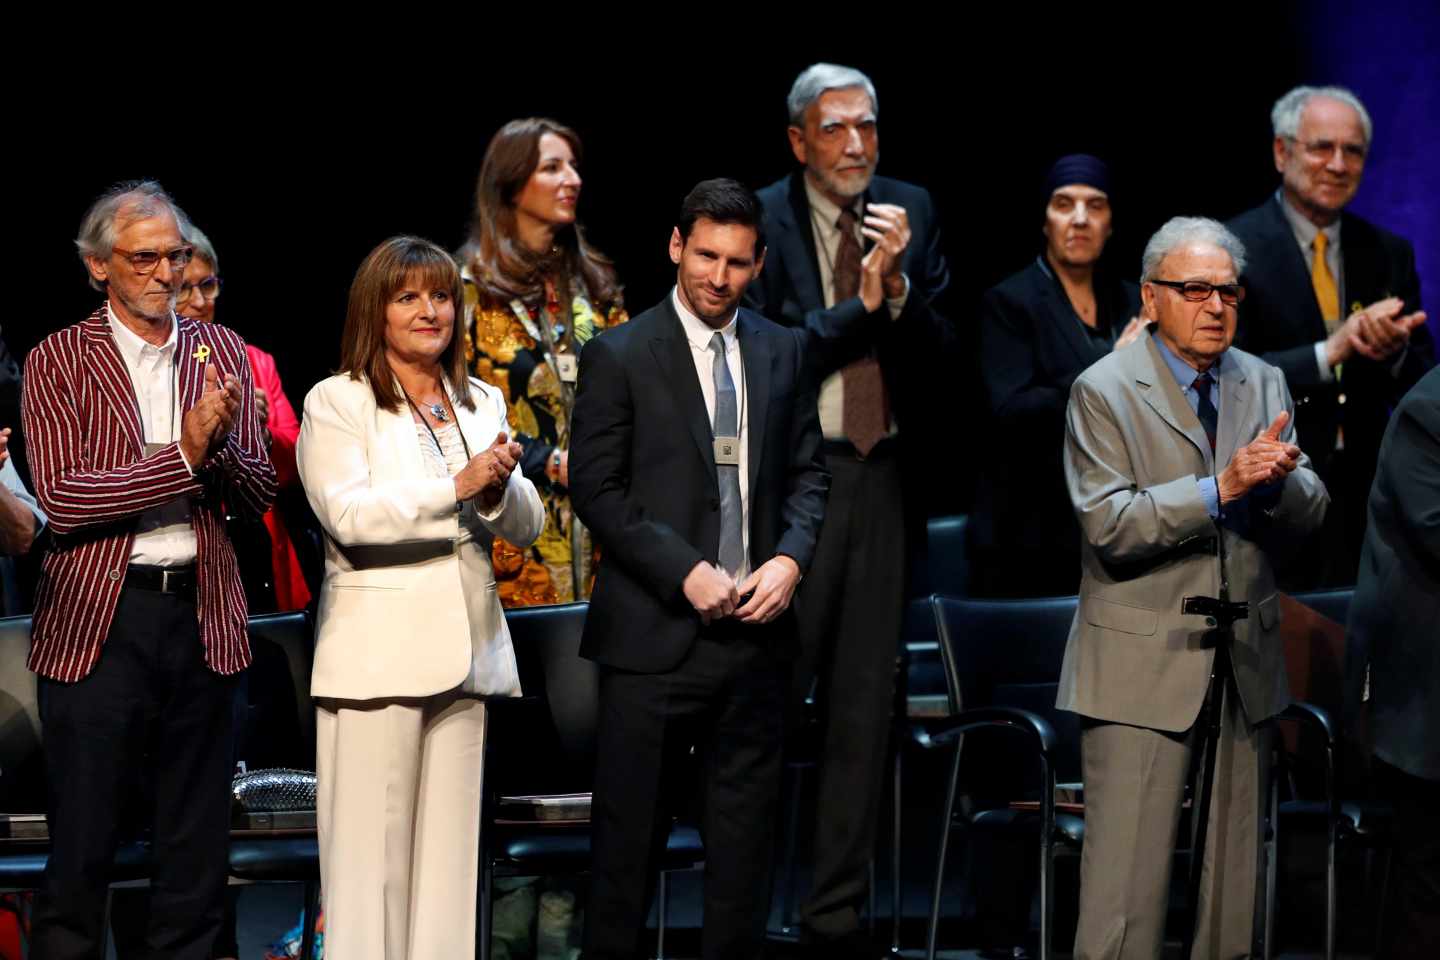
{"x":393,"y":618}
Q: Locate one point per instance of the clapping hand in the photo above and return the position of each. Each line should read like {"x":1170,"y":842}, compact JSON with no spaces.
{"x":485,"y":476}
{"x":206,"y":425}
{"x":1266,"y":459}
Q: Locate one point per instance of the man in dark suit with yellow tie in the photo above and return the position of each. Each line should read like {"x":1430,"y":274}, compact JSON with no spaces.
{"x":1334,"y":301}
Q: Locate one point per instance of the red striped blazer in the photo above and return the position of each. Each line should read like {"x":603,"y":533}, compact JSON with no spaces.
{"x":86,"y":449}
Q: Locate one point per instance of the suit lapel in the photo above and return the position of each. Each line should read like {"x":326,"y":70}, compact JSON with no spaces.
{"x":1282,"y":252}
{"x":1363,"y":269}
{"x":797,"y":246}
{"x":191,"y":367}
{"x":1063,"y":317}
{"x":107,"y":368}
{"x":672,"y":355}
{"x":756,"y":361}
{"x":1235,"y":402}
{"x":1160,"y":391}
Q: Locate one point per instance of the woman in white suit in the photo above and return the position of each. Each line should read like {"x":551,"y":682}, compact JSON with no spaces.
{"x":408,"y":464}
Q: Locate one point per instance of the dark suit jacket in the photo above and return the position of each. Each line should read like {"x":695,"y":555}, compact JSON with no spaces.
{"x":1397,"y":599}
{"x":643,"y":478}
{"x":788,"y":290}
{"x":1280,"y":321}
{"x":1032,"y":347}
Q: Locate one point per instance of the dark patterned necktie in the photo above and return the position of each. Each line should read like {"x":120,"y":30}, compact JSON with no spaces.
{"x":865,"y":416}
{"x":727,"y":424}
{"x":1205,"y":410}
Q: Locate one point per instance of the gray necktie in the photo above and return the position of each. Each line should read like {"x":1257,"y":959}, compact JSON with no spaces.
{"x":727,"y":424}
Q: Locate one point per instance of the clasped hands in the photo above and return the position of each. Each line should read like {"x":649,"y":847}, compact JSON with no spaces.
{"x":1266,"y":459}
{"x":485,"y":476}
{"x":1377,"y":332}
{"x":205,"y":426}
{"x":880,"y":277}
{"x":715,"y":594}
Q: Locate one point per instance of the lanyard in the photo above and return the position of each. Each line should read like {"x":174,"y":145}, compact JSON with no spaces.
{"x":431,"y":430}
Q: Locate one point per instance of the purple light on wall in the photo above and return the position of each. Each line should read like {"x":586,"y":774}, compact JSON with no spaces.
{"x":1386,"y":53}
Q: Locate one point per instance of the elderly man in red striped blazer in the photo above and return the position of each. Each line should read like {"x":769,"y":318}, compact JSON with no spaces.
{"x":142,"y":431}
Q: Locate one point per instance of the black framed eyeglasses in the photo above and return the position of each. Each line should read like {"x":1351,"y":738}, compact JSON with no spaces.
{"x":209,"y":289}
{"x":1199,"y":291}
{"x":145,"y":261}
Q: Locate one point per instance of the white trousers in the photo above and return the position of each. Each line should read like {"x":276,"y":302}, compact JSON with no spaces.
{"x":399,"y":821}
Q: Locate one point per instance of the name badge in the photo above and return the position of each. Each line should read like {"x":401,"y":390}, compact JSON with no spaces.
{"x":567,"y":365}
{"x":727,"y":451}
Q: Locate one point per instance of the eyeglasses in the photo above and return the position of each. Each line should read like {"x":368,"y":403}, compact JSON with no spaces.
{"x":1199,"y":290}
{"x":1352,"y":153}
{"x":145,"y":261}
{"x":209,"y":289}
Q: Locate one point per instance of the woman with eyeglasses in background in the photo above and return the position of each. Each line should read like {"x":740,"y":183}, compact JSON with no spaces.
{"x":199,"y":289}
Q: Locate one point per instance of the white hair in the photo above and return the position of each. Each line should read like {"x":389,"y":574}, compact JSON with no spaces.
{"x":129,"y":201}
{"x":1185,"y":231}
{"x":204,"y":249}
{"x":820,"y":77}
{"x":1285,"y":115}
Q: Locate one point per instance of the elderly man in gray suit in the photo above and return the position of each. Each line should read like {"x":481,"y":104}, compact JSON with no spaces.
{"x":1182,"y":470}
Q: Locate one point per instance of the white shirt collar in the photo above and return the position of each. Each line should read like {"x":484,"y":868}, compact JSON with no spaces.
{"x":132,"y":347}
{"x":1304,"y":229}
{"x":825,"y":209}
{"x":697,"y":331}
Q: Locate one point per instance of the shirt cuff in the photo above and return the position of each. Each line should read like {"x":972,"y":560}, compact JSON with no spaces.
{"x":1399,"y":360}
{"x":1210,"y":494}
{"x":1327,"y":373}
{"x":897,"y":304}
{"x":499,"y":508}
{"x":184,"y":459}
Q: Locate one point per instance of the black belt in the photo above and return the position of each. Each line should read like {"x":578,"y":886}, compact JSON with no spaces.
{"x":885,"y":449}
{"x":179,"y":580}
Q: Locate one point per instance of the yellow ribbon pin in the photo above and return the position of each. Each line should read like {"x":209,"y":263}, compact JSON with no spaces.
{"x":202,"y":354}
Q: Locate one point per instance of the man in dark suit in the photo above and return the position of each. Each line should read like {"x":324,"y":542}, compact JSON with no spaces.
{"x":142,"y":434}
{"x":871,"y":320}
{"x":695,"y":462}
{"x":1334,"y":302}
{"x":1039,"y":329}
{"x":1392,"y":629}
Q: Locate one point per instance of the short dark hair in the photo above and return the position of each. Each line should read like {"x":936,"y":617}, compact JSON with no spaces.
{"x":723,"y":200}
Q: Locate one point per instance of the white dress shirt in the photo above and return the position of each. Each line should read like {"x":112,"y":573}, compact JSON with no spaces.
{"x":698,"y":333}
{"x":164,"y":536}
{"x":823,"y":220}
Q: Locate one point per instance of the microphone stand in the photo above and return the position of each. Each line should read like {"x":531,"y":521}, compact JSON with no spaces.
{"x":1221,"y":616}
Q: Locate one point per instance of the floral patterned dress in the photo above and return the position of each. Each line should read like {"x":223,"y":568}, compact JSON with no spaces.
{"x":529,"y":350}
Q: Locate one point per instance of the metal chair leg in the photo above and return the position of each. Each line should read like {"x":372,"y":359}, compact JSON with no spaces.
{"x":662,"y":906}
{"x":1047,"y":859}
{"x":934,"y":930}
{"x":308,"y":917}
{"x":897,"y":886}
{"x":1272,"y":870}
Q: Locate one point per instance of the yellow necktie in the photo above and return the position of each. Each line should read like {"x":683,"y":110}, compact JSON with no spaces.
{"x":1327,"y":294}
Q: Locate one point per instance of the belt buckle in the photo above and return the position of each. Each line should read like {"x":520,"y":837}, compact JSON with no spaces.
{"x":165,"y":575}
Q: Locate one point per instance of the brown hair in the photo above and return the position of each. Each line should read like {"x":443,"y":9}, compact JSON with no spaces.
{"x":501,"y":266}
{"x":382,"y":274}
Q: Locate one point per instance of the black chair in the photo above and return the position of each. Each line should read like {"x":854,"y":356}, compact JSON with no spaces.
{"x":1002,"y":663}
{"x":540,"y":761}
{"x":1324,"y":806}
{"x":277,"y":729}
{"x":948,"y":555}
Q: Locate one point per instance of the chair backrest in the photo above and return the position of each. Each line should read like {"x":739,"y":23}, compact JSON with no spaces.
{"x":22,"y":781}
{"x":947,"y":555}
{"x":277,"y":721}
{"x":545,"y":741}
{"x":1007,"y":653}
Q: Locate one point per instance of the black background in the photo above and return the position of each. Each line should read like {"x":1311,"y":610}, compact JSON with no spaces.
{"x":296,"y":170}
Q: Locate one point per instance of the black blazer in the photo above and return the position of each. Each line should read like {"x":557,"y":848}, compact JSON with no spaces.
{"x":788,"y":291}
{"x":643,"y":479}
{"x":1032,"y":347}
{"x":1280,"y":321}
{"x":1397,"y":597}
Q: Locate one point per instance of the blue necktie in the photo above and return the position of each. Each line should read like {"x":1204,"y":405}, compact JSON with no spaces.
{"x":727,"y":424}
{"x":1205,"y":410}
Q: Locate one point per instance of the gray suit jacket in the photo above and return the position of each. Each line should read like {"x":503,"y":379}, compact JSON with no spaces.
{"x":1397,"y":599}
{"x":1133,"y":452}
